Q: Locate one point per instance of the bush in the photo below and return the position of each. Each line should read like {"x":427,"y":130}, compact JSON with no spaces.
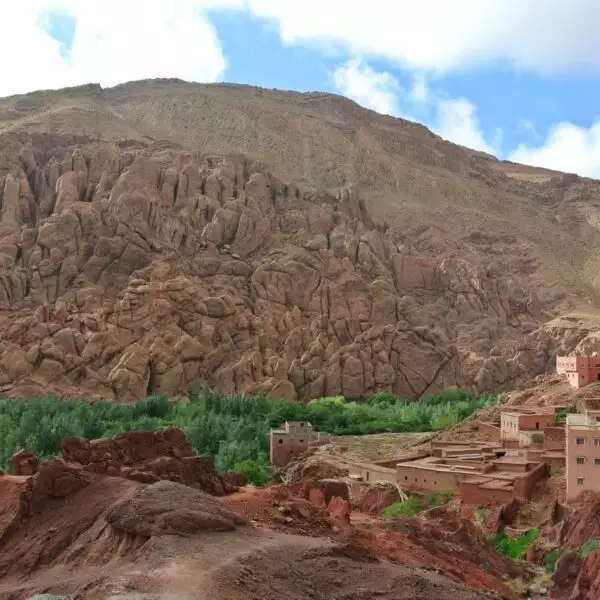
{"x":515,"y":547}
{"x":587,"y":548}
{"x":257,"y":473}
{"x":552,"y":558}
{"x":411,"y":506}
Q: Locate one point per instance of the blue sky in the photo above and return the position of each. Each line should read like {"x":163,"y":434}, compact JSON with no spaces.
{"x":493,"y":75}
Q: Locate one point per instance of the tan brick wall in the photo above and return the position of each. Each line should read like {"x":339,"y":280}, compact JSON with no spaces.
{"x":473,"y":494}
{"x":416,"y":479}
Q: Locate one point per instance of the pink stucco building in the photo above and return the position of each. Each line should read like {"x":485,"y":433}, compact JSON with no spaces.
{"x":580,"y":370}
{"x":582,"y":455}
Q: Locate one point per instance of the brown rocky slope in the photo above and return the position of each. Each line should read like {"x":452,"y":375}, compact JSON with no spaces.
{"x":131,"y":265}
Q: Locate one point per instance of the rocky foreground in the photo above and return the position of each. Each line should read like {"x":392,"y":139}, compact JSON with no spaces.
{"x":138,"y":514}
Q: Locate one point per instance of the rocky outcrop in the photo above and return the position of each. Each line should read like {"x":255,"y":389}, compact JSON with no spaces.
{"x":148,"y":457}
{"x":127,"y":273}
{"x":167,"y":508}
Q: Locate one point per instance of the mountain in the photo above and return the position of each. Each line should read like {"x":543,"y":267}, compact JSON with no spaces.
{"x":163,"y":233}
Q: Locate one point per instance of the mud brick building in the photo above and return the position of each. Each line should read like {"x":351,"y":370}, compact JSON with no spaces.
{"x":293,"y":439}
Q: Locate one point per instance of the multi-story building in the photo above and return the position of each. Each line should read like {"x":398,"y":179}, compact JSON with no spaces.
{"x":582,"y":455}
{"x":292,"y":440}
{"x":580,"y":370}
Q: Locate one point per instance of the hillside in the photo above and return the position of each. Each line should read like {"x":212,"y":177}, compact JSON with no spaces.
{"x":161,"y":233}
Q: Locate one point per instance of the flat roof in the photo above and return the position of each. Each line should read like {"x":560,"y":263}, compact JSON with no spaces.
{"x":581,"y":420}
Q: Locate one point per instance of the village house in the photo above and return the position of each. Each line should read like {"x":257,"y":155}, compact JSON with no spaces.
{"x":580,"y":370}
{"x":293,"y":439}
{"x":582,"y":455}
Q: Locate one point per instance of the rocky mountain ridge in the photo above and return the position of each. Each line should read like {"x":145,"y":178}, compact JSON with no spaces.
{"x":131,"y":266}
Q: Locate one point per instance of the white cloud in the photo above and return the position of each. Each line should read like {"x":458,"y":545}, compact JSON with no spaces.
{"x":375,"y":90}
{"x":567,"y":147}
{"x":449,"y":34}
{"x":455,"y":118}
{"x":420,"y":90}
{"x":457,"y":121}
{"x":115,"y":41}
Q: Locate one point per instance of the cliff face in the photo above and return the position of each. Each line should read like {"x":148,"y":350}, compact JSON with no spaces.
{"x":130,"y":266}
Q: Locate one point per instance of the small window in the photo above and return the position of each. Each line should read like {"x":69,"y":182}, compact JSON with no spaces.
{"x":281,"y":441}
{"x":580,"y":460}
{"x":301,"y":424}
{"x":405,"y":478}
{"x":580,"y":441}
{"x":597,"y":461}
{"x":580,"y":481}
{"x":596,"y":441}
{"x":301,"y":441}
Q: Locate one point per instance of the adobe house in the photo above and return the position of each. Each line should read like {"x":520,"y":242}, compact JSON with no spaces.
{"x":514,"y":423}
{"x":582,"y":455}
{"x":293,"y":439}
{"x":580,"y":370}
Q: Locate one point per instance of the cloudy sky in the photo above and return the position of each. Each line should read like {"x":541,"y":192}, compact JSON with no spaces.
{"x":516,"y":78}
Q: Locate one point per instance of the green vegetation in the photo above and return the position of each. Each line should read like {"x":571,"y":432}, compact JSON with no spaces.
{"x":415,"y":504}
{"x":411,"y":506}
{"x":554,"y":555}
{"x":232,"y":429}
{"x":587,"y":548}
{"x":515,"y":547}
{"x":552,"y":559}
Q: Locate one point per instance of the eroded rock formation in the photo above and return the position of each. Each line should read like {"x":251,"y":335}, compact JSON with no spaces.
{"x":128,"y":273}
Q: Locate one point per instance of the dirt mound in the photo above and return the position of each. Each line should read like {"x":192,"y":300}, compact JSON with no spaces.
{"x":281,"y":508}
{"x":441,"y":540}
{"x":167,"y":508}
{"x":338,"y":571}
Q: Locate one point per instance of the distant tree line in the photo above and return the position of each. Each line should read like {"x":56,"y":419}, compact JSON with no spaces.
{"x":233,"y":429}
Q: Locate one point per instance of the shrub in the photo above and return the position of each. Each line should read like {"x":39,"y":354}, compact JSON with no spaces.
{"x":587,"y":548}
{"x":411,"y":506}
{"x":552,"y":558}
{"x":257,"y":473}
{"x":514,"y":547}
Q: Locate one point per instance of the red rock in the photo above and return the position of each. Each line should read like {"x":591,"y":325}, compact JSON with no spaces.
{"x":317,"y":497}
{"x":24,"y":463}
{"x":339,"y":511}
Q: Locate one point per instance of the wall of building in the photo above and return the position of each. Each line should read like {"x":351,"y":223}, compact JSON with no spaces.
{"x":554,"y":438}
{"x":524,"y":486}
{"x":416,"y":479}
{"x":536,"y":421}
{"x":374,"y":473}
{"x":509,"y":425}
{"x":589,"y":471}
{"x":490,"y":430}
{"x":284,"y":449}
{"x":475,"y":495}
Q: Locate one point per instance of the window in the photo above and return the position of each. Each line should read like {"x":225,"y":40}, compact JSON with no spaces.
{"x":597,"y":461}
{"x":580,"y":460}
{"x":280,"y":441}
{"x":580,"y":481}
{"x":596,"y":441}
{"x":301,"y":424}
{"x":580,"y":441}
{"x":301,"y":441}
